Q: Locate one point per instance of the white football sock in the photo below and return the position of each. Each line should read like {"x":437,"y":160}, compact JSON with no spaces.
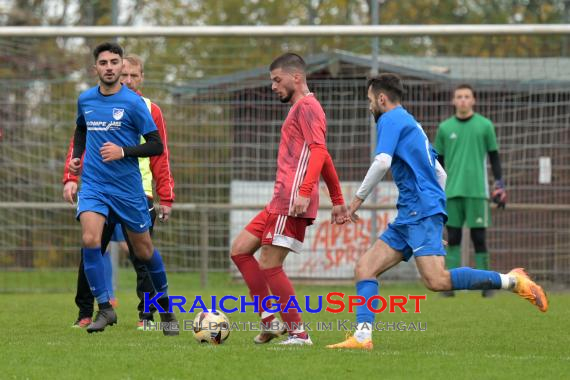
{"x":363,"y":332}
{"x":507,"y":282}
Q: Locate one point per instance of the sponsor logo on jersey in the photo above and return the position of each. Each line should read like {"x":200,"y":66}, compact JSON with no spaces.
{"x":118,"y":113}
{"x":103,"y":125}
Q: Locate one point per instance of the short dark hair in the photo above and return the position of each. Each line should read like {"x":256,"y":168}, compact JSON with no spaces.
{"x":112,"y":47}
{"x":288,"y":61}
{"x":390,"y":84}
{"x":464,"y":86}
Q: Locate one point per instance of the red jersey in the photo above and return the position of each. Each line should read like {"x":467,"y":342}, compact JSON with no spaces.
{"x":305,"y":125}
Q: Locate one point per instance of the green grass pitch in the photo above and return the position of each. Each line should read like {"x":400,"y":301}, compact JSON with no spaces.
{"x":466,"y":337}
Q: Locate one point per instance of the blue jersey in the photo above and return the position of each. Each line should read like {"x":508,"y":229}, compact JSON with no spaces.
{"x":120,"y":118}
{"x":413,"y":165}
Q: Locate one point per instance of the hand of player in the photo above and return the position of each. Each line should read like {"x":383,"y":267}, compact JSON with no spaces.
{"x":499,"y":195}
{"x":354,"y":206}
{"x":339,"y":214}
{"x":70,"y":192}
{"x":111,"y":152}
{"x":300,"y":205}
{"x":75,"y":166}
{"x":164,"y":213}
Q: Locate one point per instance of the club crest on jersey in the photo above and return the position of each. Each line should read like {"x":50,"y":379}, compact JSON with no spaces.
{"x":118,"y":113}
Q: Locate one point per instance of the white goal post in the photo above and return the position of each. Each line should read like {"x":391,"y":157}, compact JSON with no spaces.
{"x":284,"y":30}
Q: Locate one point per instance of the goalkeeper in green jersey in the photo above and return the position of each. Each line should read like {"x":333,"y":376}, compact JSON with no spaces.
{"x":463,"y":143}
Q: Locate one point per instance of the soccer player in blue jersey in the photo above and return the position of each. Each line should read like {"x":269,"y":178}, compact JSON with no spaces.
{"x":110,"y":121}
{"x":417,"y":230}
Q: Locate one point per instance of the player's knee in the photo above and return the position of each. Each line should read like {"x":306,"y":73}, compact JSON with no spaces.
{"x":478,"y":236}
{"x":237,"y":247}
{"x":143,"y":250}
{"x":434,"y":285}
{"x":363,"y":271}
{"x":268,"y":260}
{"x":266,"y":263}
{"x":438,"y":282}
{"x":91,"y":240}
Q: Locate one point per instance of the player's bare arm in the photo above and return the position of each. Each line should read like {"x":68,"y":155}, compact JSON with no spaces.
{"x":376,"y":172}
{"x":70,"y":192}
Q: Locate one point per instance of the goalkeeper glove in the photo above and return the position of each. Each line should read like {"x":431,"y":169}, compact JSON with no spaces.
{"x":499,"y":195}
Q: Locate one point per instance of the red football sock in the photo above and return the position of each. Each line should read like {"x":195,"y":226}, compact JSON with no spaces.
{"x":281,"y":287}
{"x":253,"y":277}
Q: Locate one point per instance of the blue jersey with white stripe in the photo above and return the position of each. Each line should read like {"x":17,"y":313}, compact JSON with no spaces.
{"x":413,"y":165}
{"x":120,"y":118}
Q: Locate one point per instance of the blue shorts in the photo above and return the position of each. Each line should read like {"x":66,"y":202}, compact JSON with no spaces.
{"x":421,"y":238}
{"x":118,"y":235}
{"x":132,"y":212}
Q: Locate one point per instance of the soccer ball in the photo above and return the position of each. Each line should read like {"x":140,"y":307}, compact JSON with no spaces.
{"x":211,"y":327}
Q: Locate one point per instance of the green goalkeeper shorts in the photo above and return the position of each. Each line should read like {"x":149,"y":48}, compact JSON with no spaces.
{"x":473,"y":212}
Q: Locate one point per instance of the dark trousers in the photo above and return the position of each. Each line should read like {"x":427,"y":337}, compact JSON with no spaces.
{"x":84,"y":298}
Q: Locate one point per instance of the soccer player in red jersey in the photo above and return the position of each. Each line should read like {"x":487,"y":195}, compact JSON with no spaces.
{"x":280,"y":227}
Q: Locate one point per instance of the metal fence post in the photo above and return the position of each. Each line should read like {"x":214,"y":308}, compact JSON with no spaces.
{"x":204,"y":248}
{"x":465,"y":242}
{"x":114,"y":252}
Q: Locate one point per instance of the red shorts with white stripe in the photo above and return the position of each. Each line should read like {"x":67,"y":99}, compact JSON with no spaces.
{"x":279,"y":230}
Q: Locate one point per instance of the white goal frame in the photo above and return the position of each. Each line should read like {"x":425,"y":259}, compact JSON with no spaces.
{"x":284,"y":30}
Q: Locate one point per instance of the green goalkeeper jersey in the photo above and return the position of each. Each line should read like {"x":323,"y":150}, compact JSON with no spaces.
{"x":465,"y":145}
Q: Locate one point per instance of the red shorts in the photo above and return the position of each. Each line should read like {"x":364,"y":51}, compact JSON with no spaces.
{"x":280,"y":230}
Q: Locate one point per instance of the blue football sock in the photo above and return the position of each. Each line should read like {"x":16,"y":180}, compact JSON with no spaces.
{"x":109,"y":274}
{"x":157,"y":274}
{"x":366,"y":289}
{"x":95,"y":273}
{"x":474,"y":279}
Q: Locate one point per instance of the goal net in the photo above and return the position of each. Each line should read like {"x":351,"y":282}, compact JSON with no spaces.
{"x":224,"y":124}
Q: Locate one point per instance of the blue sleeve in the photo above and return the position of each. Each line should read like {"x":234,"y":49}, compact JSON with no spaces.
{"x":141,"y":117}
{"x":388,"y":136}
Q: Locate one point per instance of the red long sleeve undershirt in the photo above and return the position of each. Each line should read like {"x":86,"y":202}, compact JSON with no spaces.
{"x":320,"y":163}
